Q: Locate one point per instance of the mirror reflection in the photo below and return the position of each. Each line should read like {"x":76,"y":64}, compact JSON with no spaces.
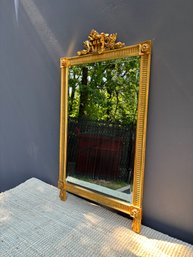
{"x":102,"y":118}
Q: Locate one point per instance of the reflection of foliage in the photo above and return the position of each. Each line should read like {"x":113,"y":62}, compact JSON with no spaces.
{"x":105,"y":90}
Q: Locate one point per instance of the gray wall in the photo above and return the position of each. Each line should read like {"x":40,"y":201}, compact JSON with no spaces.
{"x":34,"y":34}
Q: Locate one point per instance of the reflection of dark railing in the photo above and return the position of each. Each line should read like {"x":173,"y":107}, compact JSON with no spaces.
{"x":98,"y":156}
{"x":100,"y":149}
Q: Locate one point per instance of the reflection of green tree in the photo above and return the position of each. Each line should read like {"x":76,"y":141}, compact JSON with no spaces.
{"x":105,"y":90}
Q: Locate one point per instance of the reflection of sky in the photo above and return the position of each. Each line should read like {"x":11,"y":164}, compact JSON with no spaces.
{"x":70,"y":91}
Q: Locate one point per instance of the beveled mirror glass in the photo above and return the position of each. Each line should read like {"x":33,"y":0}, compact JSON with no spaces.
{"x":104,"y":97}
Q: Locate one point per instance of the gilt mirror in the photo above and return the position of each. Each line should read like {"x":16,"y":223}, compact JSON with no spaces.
{"x":104,"y":100}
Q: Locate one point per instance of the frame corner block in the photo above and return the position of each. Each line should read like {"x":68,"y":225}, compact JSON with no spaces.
{"x":145,"y":47}
{"x":64,"y":63}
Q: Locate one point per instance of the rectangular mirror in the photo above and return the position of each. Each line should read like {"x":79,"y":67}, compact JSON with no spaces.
{"x":104,"y":97}
{"x":102,"y":118}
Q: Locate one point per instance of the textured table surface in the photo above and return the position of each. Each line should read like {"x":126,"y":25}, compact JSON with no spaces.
{"x":35,"y":222}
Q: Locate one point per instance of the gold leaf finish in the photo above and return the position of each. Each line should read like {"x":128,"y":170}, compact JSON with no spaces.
{"x":63,"y":194}
{"x":64,"y":62}
{"x":145,"y":48}
{"x":98,"y":43}
{"x":94,"y":46}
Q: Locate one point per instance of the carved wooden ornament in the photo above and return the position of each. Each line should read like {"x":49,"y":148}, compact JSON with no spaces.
{"x":98,"y":43}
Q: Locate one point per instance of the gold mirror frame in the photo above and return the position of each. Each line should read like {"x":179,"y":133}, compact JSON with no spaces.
{"x":95,"y":51}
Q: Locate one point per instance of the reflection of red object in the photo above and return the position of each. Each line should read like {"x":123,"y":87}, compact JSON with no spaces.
{"x":98,"y":156}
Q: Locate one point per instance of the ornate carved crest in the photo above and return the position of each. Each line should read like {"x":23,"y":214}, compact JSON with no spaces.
{"x":98,"y":43}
